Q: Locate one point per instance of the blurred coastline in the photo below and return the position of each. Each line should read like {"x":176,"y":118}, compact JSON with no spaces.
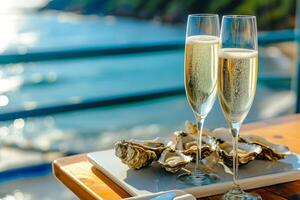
{"x":272,"y":14}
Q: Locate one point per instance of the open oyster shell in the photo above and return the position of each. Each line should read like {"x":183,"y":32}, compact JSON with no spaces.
{"x":187,"y":144}
{"x":246,"y":152}
{"x":137,"y":154}
{"x":191,"y":128}
{"x":221,"y":135}
{"x":172,"y":160}
{"x":158,"y":145}
{"x":270,"y":151}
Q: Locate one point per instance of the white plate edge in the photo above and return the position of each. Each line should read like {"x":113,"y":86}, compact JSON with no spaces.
{"x":260,"y":181}
{"x":122,"y":184}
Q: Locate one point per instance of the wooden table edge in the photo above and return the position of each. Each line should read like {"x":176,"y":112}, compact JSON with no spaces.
{"x":62,"y":175}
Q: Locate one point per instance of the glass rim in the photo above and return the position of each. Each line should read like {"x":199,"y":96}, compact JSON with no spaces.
{"x":240,"y":16}
{"x":203,"y":15}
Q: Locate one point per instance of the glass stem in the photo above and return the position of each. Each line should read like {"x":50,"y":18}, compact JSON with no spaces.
{"x":200,"y":122}
{"x":235,"y":133}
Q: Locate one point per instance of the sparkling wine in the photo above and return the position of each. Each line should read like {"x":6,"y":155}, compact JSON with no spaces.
{"x":237,"y":76}
{"x":201,"y":64}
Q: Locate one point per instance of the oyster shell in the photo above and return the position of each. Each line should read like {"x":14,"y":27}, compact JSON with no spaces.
{"x":270,"y":151}
{"x":191,"y":128}
{"x":158,"y":145}
{"x":246,"y":153}
{"x":184,"y":141}
{"x":172,"y":160}
{"x":187,"y":144}
{"x":221,"y":134}
{"x":137,"y":154}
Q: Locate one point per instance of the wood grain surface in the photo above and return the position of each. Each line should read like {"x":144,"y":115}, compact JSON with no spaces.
{"x":87,"y":182}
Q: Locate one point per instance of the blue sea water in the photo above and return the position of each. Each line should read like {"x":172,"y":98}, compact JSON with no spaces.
{"x":32,"y":84}
{"x":50,"y":30}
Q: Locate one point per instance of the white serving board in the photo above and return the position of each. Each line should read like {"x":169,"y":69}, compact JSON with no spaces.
{"x":154,"y":179}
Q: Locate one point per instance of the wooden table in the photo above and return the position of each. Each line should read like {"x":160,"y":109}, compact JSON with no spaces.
{"x":87,"y":182}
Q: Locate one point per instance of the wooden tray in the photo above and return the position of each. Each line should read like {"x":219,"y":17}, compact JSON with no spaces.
{"x":154,"y":179}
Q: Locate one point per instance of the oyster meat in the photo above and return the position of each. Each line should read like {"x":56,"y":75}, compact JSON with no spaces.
{"x":172,"y":160}
{"x":187,"y":144}
{"x":137,"y":154}
{"x":246,"y":153}
{"x":270,"y":151}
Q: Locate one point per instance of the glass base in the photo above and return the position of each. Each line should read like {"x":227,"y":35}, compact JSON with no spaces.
{"x":239,"y":194}
{"x":198,"y":178}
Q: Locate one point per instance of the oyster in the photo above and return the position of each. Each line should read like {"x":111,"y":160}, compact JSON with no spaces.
{"x":137,"y":154}
{"x":158,"y":145}
{"x":192,"y":129}
{"x":187,"y":144}
{"x":246,"y":153}
{"x":221,"y":135}
{"x":270,"y":151}
{"x":172,"y":160}
{"x":184,"y":141}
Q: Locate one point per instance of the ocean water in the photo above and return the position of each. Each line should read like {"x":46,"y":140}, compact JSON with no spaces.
{"x":49,"y":30}
{"x":32,"y":85}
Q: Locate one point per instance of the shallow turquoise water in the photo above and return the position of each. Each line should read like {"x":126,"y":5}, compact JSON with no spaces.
{"x":57,"y":30}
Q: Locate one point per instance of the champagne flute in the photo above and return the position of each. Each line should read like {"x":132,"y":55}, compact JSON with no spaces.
{"x":237,"y":77}
{"x":201,"y":64}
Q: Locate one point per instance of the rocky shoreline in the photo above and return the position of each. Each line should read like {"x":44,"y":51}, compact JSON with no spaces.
{"x":271,"y":15}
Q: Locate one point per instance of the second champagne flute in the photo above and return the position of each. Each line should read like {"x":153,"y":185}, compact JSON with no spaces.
{"x":201,"y":62}
{"x":237,"y":77}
